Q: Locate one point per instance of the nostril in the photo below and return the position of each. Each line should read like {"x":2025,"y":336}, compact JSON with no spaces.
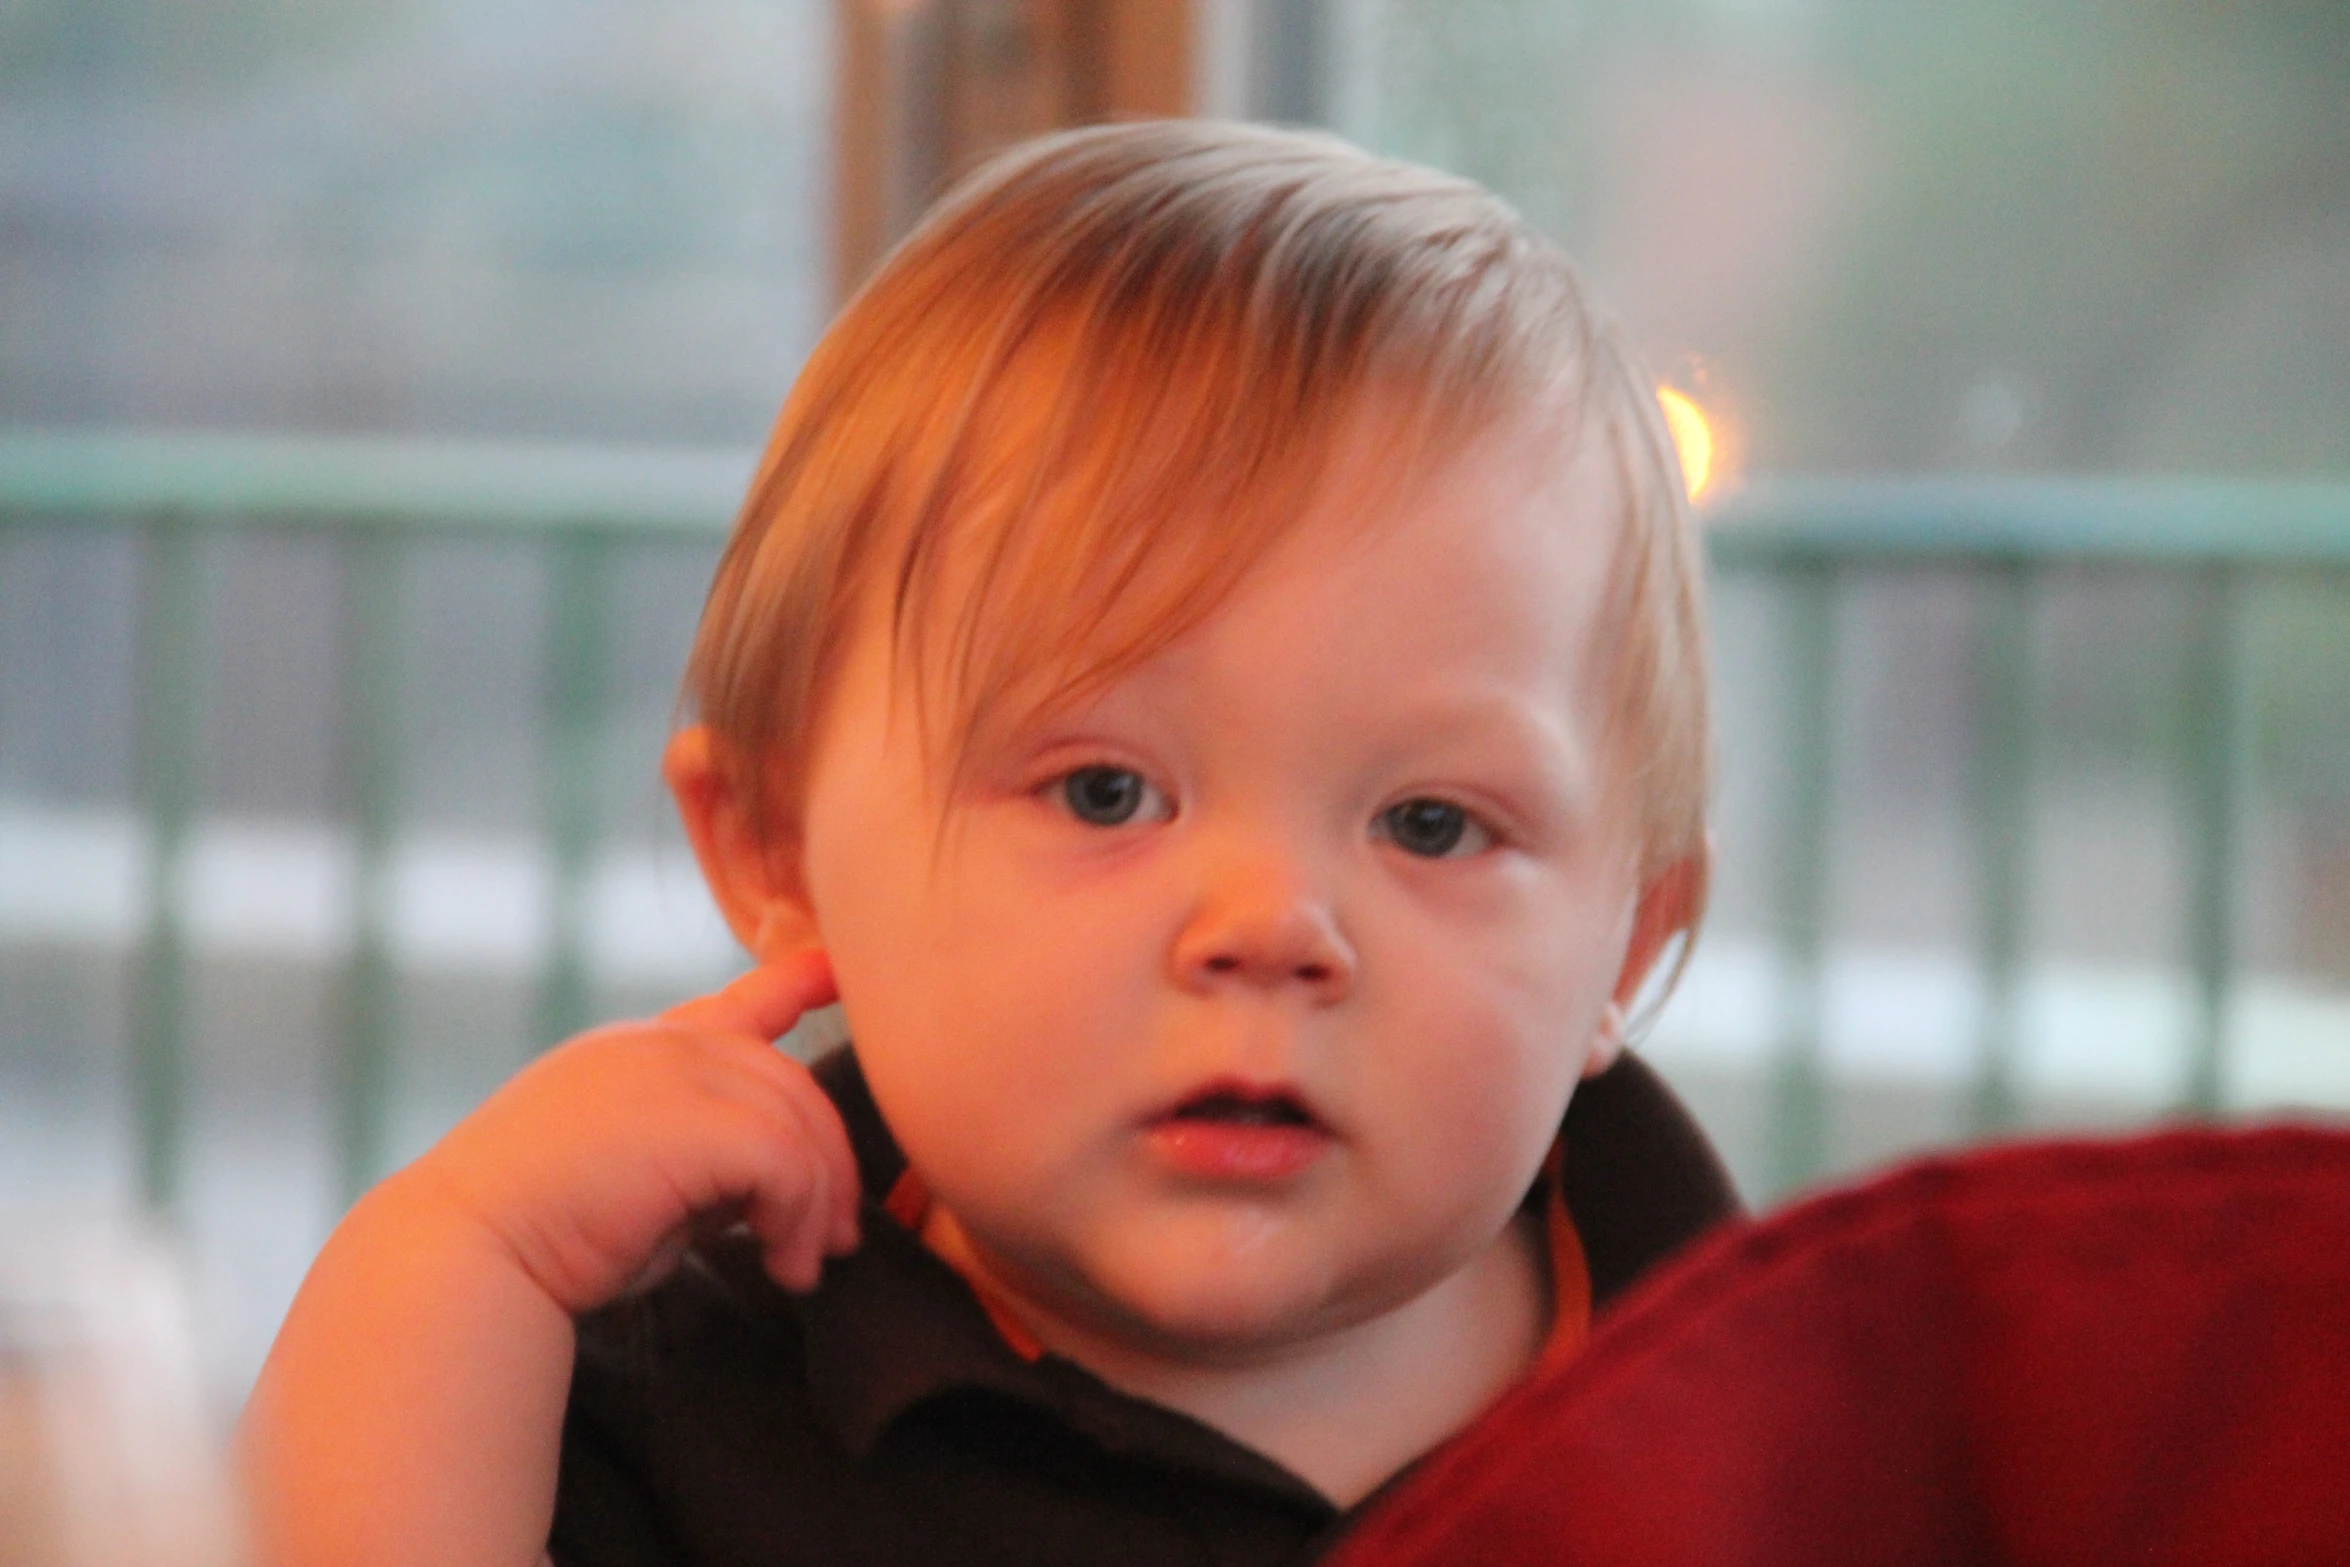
{"x":1301,"y":952}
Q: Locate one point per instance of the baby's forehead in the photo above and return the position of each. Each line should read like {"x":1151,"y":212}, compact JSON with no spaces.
{"x":1382,"y":483}
{"x":1532,"y":495}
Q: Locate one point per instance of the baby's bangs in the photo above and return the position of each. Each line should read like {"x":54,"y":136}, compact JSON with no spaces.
{"x":1087,"y":395}
{"x":1147,"y":501}
{"x":1160,"y":404}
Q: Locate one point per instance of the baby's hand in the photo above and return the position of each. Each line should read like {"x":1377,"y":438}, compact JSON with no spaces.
{"x":589,"y":1167}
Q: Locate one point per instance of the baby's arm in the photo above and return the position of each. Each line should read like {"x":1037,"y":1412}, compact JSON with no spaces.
{"x":411,"y":1409}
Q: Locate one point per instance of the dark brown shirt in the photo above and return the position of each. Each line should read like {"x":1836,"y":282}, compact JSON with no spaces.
{"x":720,"y":1421}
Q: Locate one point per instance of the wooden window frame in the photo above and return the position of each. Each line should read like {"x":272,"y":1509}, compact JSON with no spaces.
{"x":927,"y":88}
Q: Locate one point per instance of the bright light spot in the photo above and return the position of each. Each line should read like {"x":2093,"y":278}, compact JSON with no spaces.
{"x":1692,"y":437}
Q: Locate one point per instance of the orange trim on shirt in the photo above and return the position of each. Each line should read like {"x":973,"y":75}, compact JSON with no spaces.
{"x":908,"y":1201}
{"x":1570,"y":1271}
{"x":909,"y":1204}
{"x":1570,"y":1274}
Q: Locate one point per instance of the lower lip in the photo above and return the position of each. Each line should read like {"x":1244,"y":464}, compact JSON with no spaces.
{"x":1232,"y":1152}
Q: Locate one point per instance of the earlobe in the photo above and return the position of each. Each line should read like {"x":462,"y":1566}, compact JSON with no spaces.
{"x":1607,"y":1040}
{"x":755,"y":882}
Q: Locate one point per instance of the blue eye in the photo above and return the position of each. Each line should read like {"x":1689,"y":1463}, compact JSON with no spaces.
{"x":1104,"y":796}
{"x":1432,"y":829}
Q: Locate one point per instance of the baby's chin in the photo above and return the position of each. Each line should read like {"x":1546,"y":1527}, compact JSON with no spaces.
{"x":1217,"y":1311}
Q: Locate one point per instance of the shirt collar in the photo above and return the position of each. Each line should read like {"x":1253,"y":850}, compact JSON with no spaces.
{"x":890,"y":1324}
{"x":893,"y":1327}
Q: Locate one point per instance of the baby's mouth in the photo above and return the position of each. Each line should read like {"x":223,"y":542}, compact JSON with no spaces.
{"x":1244,"y":1110}
{"x":1241,"y":1107}
{"x":1242,"y":1134}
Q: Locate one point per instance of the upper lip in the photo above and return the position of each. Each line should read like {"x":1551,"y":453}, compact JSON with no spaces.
{"x":1280,"y":1103}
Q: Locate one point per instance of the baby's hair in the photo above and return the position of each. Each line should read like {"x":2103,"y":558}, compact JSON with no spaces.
{"x":1090,"y":391}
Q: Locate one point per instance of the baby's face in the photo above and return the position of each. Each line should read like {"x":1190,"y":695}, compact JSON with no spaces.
{"x":1241,"y":1004}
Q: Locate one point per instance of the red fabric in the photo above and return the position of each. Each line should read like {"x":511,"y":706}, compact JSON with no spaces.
{"x":2046,"y":1354}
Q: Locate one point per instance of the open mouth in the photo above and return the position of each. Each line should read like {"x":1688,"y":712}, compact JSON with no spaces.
{"x":1237,"y":1107}
{"x":1240,"y":1134}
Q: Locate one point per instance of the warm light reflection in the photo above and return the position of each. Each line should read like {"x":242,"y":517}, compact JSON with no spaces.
{"x":1692,"y":437}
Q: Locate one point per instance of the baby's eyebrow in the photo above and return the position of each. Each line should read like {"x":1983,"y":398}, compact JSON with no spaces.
{"x":1544,"y":750}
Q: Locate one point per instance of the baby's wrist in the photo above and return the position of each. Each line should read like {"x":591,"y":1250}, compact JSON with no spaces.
{"x":433,"y":1221}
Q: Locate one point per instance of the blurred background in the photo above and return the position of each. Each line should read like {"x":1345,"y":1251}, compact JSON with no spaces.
{"x":377,"y":379}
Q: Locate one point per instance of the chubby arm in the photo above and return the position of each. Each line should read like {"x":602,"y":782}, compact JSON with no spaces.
{"x":411,"y":1409}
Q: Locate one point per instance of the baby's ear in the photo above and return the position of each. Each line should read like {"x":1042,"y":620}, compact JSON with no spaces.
{"x":1669,"y":905}
{"x":754,"y":879}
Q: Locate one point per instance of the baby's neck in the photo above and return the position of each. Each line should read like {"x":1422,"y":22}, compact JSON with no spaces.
{"x":1345,"y":1411}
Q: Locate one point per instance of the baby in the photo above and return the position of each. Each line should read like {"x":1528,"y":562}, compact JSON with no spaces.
{"x":1210,"y":673}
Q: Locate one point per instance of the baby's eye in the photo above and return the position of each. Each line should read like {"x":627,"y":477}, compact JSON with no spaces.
{"x":1110,"y":796}
{"x":1434,"y":829}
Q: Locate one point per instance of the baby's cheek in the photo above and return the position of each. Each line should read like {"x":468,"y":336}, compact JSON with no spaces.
{"x":1490,"y":1107}
{"x":971,"y":1041}
{"x":1496,"y":1145}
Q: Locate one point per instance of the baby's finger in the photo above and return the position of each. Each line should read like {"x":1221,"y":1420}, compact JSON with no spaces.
{"x":787,"y":1210}
{"x":757,"y":1074}
{"x":827,"y":1139}
{"x":766,"y":1001}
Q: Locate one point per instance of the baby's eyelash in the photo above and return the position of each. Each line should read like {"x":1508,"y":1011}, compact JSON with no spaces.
{"x":1100,"y":794}
{"x":1433,"y":829}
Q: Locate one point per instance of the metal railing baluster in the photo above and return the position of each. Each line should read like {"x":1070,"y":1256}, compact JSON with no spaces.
{"x":171,"y":620}
{"x":577,"y":660}
{"x":2004,"y":758}
{"x":1799,"y":1139}
{"x":363,"y":1059}
{"x":2219,"y":741}
{"x":2223,"y":537}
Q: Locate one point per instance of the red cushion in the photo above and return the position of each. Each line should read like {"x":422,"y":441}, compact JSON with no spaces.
{"x":2049,"y":1354}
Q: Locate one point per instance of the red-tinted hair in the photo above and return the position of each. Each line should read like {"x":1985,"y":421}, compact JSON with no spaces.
{"x":1075,"y":407}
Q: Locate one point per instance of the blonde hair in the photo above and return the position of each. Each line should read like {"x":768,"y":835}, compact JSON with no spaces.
{"x":1076,"y":405}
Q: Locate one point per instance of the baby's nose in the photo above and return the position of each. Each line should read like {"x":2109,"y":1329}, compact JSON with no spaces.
{"x":1264,"y":932}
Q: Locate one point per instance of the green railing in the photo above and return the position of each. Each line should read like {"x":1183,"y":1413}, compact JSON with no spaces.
{"x":376,"y":498}
{"x":2222,"y":536}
